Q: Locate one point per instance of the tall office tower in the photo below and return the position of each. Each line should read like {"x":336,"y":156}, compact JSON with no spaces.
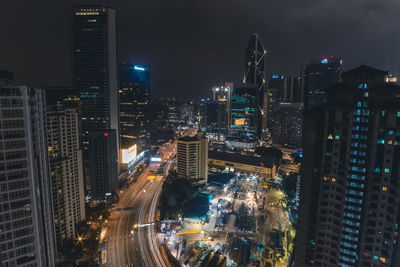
{"x":244,"y":119}
{"x":26,"y":213}
{"x":213,"y":119}
{"x":96,"y":76}
{"x":66,"y":170}
{"x":254,"y":75}
{"x":287,"y":127}
{"x":224,"y":94}
{"x":349,"y":193}
{"x":134,"y":95}
{"x":192,"y":157}
{"x":245,"y":110}
{"x":281,"y":89}
{"x":319,"y":76}
{"x":187,"y":113}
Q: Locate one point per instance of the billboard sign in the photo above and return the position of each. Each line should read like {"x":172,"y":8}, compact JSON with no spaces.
{"x":129,"y":154}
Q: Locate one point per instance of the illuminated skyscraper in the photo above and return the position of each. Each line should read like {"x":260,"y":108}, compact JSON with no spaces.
{"x":254,"y":75}
{"x":26,"y":212}
{"x":244,"y":118}
{"x":319,"y":76}
{"x":280,"y":89}
{"x":350,"y":190}
{"x":134,"y":95}
{"x":95,"y":75}
{"x":215,"y":114}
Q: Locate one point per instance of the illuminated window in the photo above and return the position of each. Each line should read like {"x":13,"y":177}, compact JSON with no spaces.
{"x":387,"y":170}
{"x":381,"y":141}
{"x":333,"y":180}
{"x":384,"y":188}
{"x":337,"y":137}
{"x":398,"y":113}
{"x":383,"y":113}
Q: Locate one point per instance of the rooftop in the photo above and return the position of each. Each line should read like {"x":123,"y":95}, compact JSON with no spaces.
{"x":242,"y":159}
{"x":220,"y":178}
{"x":198,"y":207}
{"x":189,"y":139}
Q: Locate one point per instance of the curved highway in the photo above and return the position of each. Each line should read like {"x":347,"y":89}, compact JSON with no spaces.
{"x":125,"y":245}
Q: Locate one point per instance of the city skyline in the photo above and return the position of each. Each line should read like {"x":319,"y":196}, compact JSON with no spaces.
{"x":153,"y":34}
{"x":209,"y":134}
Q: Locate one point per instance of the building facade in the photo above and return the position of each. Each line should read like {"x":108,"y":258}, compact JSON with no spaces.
{"x":66,"y":170}
{"x":26,"y":213}
{"x":192,"y":157}
{"x":280,"y":88}
{"x":236,"y":162}
{"x":349,"y":192}
{"x":244,"y":117}
{"x":134,"y":95}
{"x":96,"y":76}
{"x":254,"y":75}
{"x":319,"y":76}
{"x":213,"y":119}
{"x":287,"y":124}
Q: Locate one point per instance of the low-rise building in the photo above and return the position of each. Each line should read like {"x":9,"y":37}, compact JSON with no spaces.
{"x":265,"y":167}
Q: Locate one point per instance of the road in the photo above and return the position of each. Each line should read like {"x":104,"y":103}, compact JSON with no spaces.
{"x":124,"y":245}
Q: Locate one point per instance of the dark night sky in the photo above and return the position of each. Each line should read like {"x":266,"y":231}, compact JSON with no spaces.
{"x":193,"y":44}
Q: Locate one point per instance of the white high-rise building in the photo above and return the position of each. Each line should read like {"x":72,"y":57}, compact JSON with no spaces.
{"x":26,"y":213}
{"x":65,"y":170}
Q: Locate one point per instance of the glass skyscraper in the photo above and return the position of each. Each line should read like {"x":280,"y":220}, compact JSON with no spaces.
{"x":319,"y":76}
{"x":254,"y":75}
{"x":95,"y":75}
{"x":134,"y":95}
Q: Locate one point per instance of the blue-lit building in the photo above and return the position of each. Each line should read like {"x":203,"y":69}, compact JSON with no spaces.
{"x":213,"y":119}
{"x":349,"y":188}
{"x":245,"y":114}
{"x":197,"y":208}
{"x":319,"y":76}
{"x":134,"y":96}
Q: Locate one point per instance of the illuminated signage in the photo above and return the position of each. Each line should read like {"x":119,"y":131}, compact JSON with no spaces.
{"x":129,"y":154}
{"x":240,"y":121}
{"x":156,"y":159}
{"x":139,"y":68}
